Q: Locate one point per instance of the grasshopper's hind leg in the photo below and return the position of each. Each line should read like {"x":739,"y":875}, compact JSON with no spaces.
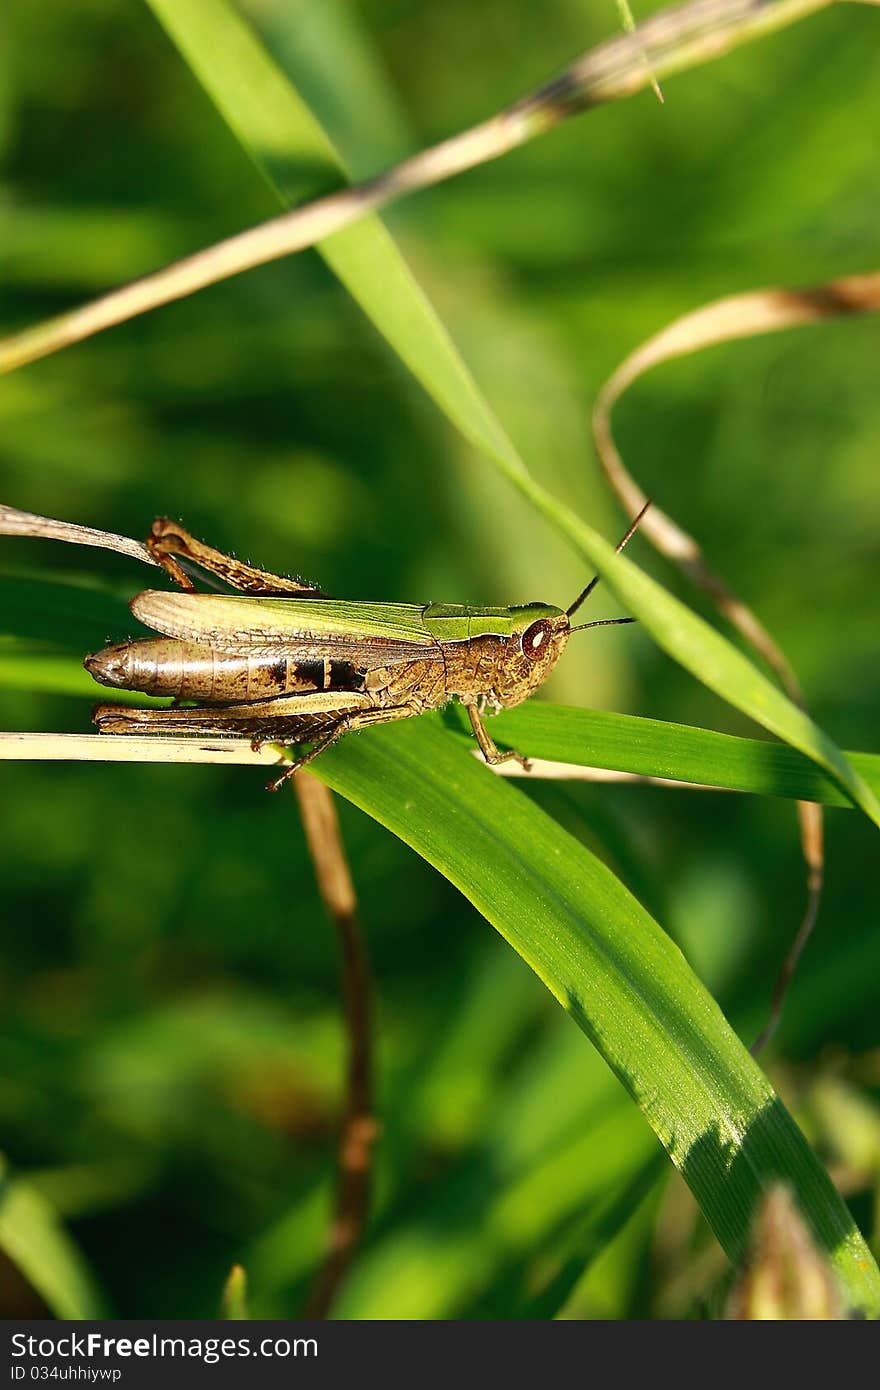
{"x":172,"y":719}
{"x":295,"y":718}
{"x":317,"y":730}
{"x":167,"y":539}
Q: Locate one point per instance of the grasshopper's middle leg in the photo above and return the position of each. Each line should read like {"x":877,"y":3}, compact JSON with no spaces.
{"x":167,"y":539}
{"x":493,"y":755}
{"x":345,"y":724}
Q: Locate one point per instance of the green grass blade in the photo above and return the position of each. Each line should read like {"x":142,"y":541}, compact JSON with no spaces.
{"x":36,"y":1242}
{"x":609,"y":964}
{"x":677,"y":752}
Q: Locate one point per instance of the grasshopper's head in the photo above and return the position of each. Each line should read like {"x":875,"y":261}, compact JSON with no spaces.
{"x":543,"y":633}
{"x":538,"y":634}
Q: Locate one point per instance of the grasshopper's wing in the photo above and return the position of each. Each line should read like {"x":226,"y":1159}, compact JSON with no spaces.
{"x":368,"y":635}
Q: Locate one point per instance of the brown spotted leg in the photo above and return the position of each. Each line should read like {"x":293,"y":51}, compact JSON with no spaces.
{"x":167,"y":539}
{"x":493,"y":755}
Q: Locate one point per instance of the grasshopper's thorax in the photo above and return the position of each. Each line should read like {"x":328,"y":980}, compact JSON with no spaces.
{"x":503,"y":669}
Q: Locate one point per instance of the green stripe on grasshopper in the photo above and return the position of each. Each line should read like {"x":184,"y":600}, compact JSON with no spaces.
{"x":457,"y":622}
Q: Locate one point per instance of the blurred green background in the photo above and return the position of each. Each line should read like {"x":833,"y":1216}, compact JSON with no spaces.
{"x":170,"y":1028}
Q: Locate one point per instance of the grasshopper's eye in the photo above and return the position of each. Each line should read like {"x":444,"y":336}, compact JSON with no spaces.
{"x":535,"y":639}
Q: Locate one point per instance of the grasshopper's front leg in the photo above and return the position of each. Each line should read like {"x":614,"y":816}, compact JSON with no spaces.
{"x":167,"y":539}
{"x":493,"y":755}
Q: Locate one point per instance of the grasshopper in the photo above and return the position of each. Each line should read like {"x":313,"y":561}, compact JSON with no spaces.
{"x":282,"y":662}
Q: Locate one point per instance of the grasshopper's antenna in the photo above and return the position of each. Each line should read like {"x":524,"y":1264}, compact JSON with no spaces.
{"x":595,"y":580}
{"x":601,"y":622}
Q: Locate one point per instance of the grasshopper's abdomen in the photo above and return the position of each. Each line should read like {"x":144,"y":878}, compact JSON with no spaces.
{"x":186,"y":671}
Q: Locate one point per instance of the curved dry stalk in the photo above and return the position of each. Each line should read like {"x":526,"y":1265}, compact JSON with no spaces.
{"x":668,"y":42}
{"x":736,"y":316}
{"x":359,"y":1128}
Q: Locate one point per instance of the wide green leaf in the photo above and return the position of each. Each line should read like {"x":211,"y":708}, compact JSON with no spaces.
{"x":620,"y":977}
